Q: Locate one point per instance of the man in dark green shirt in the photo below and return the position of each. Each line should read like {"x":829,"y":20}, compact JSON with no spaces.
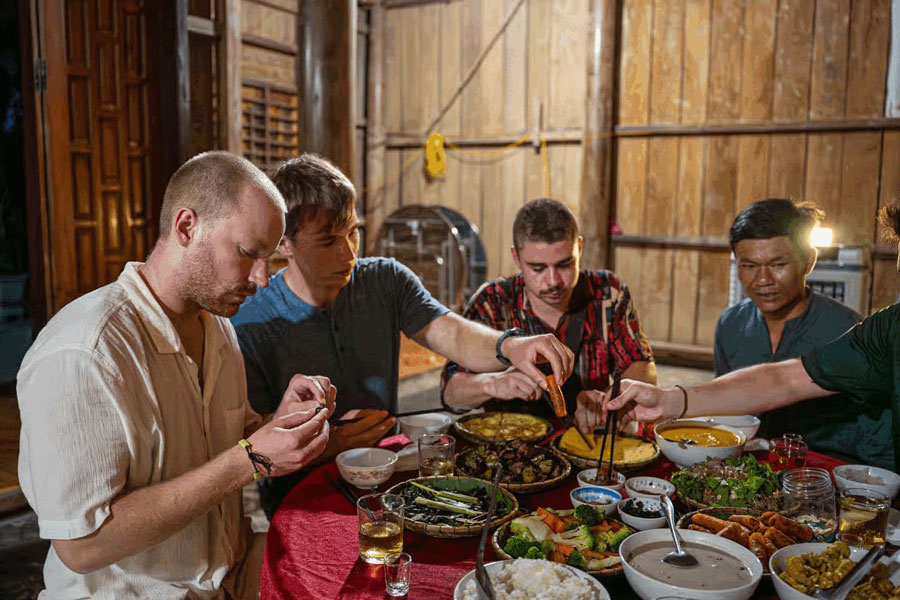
{"x":782,"y":318}
{"x":865,"y":360}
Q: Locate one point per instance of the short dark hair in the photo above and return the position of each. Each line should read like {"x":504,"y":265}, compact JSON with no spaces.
{"x":544,"y":220}
{"x":889,"y":216}
{"x":210,"y":184}
{"x":777,"y":217}
{"x":311,"y":186}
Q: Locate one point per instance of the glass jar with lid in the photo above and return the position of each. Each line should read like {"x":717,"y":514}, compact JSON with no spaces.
{"x":809,"y":499}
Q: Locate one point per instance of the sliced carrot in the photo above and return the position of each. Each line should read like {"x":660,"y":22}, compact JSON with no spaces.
{"x":565,"y":549}
{"x":557,"y":556}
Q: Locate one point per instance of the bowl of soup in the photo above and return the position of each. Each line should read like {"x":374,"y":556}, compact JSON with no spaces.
{"x":726,"y":570}
{"x":687,"y":442}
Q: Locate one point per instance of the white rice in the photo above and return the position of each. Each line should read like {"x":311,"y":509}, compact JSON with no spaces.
{"x":527,"y":579}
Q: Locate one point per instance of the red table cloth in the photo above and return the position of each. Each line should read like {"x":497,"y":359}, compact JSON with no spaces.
{"x":312,"y":549}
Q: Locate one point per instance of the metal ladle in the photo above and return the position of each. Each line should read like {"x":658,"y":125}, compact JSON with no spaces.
{"x":677,"y":557}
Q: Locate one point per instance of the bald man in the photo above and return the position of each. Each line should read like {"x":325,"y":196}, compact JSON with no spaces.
{"x":133,"y":403}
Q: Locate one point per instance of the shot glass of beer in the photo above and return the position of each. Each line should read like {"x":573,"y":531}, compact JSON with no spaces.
{"x":863,"y":516}
{"x":380,"y":526}
{"x":437,"y":454}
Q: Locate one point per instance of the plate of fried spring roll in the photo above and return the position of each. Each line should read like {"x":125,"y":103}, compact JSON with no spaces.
{"x":762,"y":532}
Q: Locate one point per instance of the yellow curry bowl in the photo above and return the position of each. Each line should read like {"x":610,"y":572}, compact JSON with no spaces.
{"x":686,"y":442}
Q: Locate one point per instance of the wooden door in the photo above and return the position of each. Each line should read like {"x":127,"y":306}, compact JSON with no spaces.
{"x":101,"y":131}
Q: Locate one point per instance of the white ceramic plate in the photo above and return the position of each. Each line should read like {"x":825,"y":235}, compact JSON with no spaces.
{"x":407,"y":458}
{"x":892,"y":536}
{"x":600,"y":592}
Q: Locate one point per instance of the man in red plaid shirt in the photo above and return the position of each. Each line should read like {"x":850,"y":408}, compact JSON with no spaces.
{"x":591,"y":312}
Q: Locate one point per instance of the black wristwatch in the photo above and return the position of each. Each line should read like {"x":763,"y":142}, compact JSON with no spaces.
{"x":514,"y":332}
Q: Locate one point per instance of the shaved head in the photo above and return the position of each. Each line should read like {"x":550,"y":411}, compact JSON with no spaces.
{"x":212,"y":185}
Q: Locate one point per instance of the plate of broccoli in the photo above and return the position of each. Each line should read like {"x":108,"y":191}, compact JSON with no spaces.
{"x":583,"y":537}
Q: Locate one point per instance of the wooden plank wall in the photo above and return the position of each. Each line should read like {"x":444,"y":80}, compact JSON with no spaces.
{"x":537,"y":67}
{"x":768,"y":62}
{"x":682,"y":64}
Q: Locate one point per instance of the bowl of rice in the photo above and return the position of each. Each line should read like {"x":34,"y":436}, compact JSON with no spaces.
{"x":526,"y":579}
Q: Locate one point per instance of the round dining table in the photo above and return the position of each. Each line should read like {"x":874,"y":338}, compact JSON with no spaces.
{"x":312,"y":548}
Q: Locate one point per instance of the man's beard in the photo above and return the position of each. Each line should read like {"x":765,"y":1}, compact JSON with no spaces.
{"x":202,"y":287}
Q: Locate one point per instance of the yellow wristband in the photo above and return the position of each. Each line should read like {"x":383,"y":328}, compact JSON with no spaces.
{"x":246,"y":446}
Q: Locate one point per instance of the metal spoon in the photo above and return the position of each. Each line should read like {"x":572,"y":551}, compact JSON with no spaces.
{"x":677,"y":557}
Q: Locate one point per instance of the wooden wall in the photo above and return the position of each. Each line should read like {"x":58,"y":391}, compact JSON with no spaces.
{"x":720,"y":103}
{"x":533,"y":77}
{"x":809,"y":74}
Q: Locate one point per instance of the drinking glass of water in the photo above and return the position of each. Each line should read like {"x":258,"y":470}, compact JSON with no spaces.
{"x":396,"y":573}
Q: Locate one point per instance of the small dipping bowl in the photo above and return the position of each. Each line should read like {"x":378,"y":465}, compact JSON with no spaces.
{"x":366,"y":467}
{"x":597,"y":497}
{"x":650,"y":488}
{"x":587,"y":476}
{"x":630,"y":505}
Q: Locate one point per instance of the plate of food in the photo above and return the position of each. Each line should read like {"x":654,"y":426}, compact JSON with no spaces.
{"x":631,"y":452}
{"x":445,"y":506}
{"x":762,"y":532}
{"x":522,"y":577}
{"x":797,"y":570}
{"x":503,"y":426}
{"x":526,"y":468}
{"x":583,"y":537}
{"x":737,"y":481}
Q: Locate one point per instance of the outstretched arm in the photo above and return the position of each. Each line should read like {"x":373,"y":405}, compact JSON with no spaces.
{"x":755,"y":389}
{"x":472,"y":345}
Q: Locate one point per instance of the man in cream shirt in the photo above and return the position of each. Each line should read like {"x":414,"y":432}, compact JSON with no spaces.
{"x":133,"y":400}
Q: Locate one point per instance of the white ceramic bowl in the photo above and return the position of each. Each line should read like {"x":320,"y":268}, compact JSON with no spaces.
{"x":493,"y":568}
{"x":649,"y":589}
{"x":597,"y":497}
{"x":889,"y":488}
{"x":778,"y":560}
{"x":587,"y":476}
{"x":415,"y":426}
{"x":685,"y":455}
{"x":650,"y":488}
{"x":746,"y":424}
{"x":641,"y":523}
{"x":366,"y":467}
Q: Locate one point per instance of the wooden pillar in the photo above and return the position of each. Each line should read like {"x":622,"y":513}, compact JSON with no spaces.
{"x":171,"y":68}
{"x":325,"y":81}
{"x":375,"y":136}
{"x":597,"y":193}
{"x":229,"y":59}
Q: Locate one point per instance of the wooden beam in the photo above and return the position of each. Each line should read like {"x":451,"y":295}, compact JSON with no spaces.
{"x":171,"y":68}
{"x":599,"y":123}
{"x":229,"y":55}
{"x":823,"y":126}
{"x":672,"y":242}
{"x":325,"y":80}
{"x":201,"y":26}
{"x":261,"y":42}
{"x":373,"y":195}
{"x":395,"y":141}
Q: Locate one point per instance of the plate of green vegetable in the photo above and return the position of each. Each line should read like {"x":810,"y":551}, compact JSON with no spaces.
{"x":445,"y":506}
{"x":583,"y":537}
{"x":737,"y":481}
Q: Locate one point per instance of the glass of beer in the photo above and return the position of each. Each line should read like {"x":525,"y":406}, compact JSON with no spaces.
{"x":380,"y":526}
{"x":863,"y":516}
{"x":436,"y":455}
{"x":788,"y":452}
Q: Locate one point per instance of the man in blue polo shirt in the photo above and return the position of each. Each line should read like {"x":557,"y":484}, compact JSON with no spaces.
{"x":330,"y":314}
{"x":782,"y":318}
